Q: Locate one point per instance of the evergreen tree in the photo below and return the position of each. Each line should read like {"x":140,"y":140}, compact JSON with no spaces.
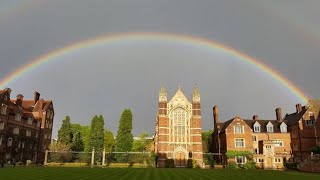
{"x":97,"y":136}
{"x":85,"y":133}
{"x":109,"y":141}
{"x":65,"y":132}
{"x":77,"y":143}
{"x":207,"y":141}
{"x":124,"y":137}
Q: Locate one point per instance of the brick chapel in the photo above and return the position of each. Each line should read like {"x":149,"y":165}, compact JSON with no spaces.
{"x":178,"y":128}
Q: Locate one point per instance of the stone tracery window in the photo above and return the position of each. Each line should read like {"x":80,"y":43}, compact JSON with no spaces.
{"x":179,"y":126}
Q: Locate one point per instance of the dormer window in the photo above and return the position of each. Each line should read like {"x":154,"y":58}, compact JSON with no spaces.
{"x":269,"y":127}
{"x":4,"y":109}
{"x":257,"y":127}
{"x":283,"y":128}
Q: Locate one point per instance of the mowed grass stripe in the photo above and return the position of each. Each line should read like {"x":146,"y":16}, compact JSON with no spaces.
{"x":187,"y":174}
{"x":207,"y":174}
{"x":113,"y":173}
{"x":51,"y":173}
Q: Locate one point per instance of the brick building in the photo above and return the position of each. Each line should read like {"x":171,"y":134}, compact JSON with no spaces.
{"x":304,"y":131}
{"x":178,"y":128}
{"x":268,"y":140}
{"x":25,"y":127}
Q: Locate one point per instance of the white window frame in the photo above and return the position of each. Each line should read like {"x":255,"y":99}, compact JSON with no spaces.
{"x":283,"y":128}
{"x":278,"y":143}
{"x":270,"y":125}
{"x":235,"y":127}
{"x":257,"y":125}
{"x":243,"y":159}
{"x":243,"y":141}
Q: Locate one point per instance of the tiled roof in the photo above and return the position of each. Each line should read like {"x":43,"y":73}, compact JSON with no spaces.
{"x":225,"y":125}
{"x":251,"y":122}
{"x":263,"y":123}
{"x":295,"y":117}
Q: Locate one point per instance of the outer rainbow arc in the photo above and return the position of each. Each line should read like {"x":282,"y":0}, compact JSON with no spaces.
{"x":122,"y":37}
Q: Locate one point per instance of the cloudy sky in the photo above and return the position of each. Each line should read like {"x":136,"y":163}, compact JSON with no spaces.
{"x":106,"y":78}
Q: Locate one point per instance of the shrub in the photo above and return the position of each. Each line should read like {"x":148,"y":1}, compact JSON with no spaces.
{"x":209,"y":160}
{"x":291,"y":165}
{"x":232,"y":165}
{"x":151,"y":161}
{"x":192,"y":163}
{"x":249,"y":165}
{"x":29,"y":162}
{"x":232,"y":154}
{"x":169,"y":163}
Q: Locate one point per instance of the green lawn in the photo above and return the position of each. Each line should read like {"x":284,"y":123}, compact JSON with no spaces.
{"x":49,"y":173}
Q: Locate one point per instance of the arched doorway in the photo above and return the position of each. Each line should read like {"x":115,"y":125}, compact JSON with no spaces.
{"x":180,"y":160}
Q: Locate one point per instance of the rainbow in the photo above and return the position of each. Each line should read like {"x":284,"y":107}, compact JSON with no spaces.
{"x":128,"y":37}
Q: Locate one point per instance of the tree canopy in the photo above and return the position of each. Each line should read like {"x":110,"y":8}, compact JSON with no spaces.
{"x":124,"y":137}
{"x":65,"y":135}
{"x":140,"y":144}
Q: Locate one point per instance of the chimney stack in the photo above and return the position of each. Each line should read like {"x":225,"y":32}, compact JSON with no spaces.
{"x":19,"y":99}
{"x":36,"y":97}
{"x":298,"y":107}
{"x":279,"y":114}
{"x":255,"y":117}
{"x":215,"y":117}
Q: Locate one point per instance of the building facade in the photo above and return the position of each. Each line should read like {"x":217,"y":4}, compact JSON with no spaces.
{"x":268,"y":141}
{"x":304,"y":128}
{"x":178,"y":129}
{"x":25,"y":127}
